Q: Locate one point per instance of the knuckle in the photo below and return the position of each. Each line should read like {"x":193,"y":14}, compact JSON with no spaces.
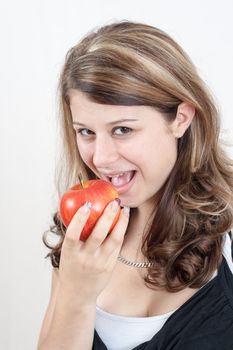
{"x":70,"y":238}
{"x":116,"y":238}
{"x":124,"y":219}
{"x":99,"y":267}
{"x":80,"y":217}
{"x":96,"y":238}
{"x":109,"y":215}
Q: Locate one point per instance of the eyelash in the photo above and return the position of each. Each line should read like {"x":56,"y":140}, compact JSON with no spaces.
{"x":129,"y":130}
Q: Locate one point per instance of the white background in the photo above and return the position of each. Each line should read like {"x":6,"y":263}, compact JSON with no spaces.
{"x":34,"y":38}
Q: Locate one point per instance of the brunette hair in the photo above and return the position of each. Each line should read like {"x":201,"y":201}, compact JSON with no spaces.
{"x":128,"y":63}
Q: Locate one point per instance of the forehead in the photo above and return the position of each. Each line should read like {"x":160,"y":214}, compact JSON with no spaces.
{"x":85,"y":110}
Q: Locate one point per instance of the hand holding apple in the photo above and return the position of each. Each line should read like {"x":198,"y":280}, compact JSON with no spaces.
{"x":98,"y":192}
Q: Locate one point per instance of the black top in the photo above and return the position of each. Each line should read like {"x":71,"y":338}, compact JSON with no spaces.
{"x":204,"y":322}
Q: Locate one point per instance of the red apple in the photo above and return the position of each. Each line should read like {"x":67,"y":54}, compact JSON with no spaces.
{"x":98,"y":192}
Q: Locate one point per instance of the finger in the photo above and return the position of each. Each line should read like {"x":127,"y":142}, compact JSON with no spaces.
{"x":102,"y":227}
{"x":115,"y":239}
{"x":77,"y":224}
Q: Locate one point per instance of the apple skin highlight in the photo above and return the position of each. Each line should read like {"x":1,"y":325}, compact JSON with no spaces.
{"x":98,"y":192}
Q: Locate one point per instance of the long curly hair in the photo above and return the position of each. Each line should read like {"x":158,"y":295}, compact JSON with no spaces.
{"x":128,"y":63}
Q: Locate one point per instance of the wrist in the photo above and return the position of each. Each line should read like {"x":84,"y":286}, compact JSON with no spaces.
{"x":72,"y":301}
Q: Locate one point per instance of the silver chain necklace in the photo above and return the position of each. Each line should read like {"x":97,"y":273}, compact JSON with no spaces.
{"x":134,"y":263}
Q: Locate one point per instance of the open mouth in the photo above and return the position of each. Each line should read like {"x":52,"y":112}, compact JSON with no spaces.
{"x":123,"y":181}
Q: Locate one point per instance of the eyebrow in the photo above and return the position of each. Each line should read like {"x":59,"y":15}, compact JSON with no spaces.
{"x":111,"y":123}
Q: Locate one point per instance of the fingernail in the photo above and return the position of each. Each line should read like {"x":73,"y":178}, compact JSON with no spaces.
{"x":126,"y":210}
{"x":118,"y":200}
{"x":86,"y":207}
{"x":115,"y":204}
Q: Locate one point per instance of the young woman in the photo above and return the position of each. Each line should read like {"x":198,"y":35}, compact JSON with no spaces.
{"x":135,"y":112}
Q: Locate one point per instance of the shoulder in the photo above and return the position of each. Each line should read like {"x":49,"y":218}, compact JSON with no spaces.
{"x":205,"y":320}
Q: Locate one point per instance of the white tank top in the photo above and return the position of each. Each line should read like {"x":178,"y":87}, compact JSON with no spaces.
{"x":125,"y":333}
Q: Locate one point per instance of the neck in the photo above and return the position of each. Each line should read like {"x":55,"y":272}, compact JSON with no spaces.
{"x":139,"y":224}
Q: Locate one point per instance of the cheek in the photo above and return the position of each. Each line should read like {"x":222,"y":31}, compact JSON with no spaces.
{"x":161,"y":157}
{"x":85,"y":154}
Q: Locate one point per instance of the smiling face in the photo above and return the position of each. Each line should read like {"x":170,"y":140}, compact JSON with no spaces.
{"x":142,"y":149}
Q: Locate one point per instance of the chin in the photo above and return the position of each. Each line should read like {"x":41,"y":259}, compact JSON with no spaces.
{"x":129,"y":203}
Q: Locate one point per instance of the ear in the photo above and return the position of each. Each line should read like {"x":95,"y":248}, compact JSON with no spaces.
{"x":184,"y":117}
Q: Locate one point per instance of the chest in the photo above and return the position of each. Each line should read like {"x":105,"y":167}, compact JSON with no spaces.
{"x":127,"y":295}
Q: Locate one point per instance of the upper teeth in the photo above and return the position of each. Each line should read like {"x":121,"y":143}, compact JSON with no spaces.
{"x":116,"y":175}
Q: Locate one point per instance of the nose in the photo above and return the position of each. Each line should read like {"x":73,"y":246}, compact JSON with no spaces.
{"x":105,"y":152}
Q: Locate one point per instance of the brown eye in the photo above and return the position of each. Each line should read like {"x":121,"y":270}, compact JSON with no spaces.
{"x":123,"y":130}
{"x":84,"y":132}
